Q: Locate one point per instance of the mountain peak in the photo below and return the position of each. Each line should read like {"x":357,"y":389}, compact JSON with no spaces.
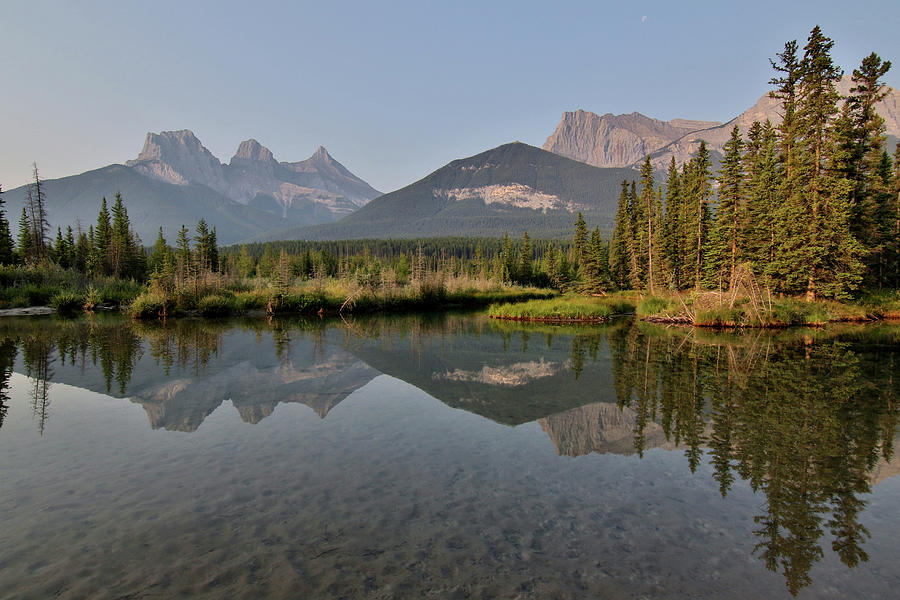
{"x":321,"y":154}
{"x":179,"y":158}
{"x":251,"y":150}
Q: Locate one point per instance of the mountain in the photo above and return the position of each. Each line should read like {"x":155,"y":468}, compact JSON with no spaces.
{"x":151,"y":204}
{"x":615,"y":140}
{"x":318,"y":189}
{"x":626,"y":139}
{"x":511,"y":188}
{"x":175,"y":180}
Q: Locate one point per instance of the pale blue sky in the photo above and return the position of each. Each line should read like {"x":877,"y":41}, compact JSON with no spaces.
{"x":393,"y":90}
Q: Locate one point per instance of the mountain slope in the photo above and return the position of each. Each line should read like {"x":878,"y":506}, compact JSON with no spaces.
{"x":514,"y":187}
{"x":151,"y":204}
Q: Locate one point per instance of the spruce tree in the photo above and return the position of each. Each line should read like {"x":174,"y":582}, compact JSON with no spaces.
{"x":646,"y":232}
{"x":25,"y":247}
{"x":7,"y":246}
{"x":101,"y":239}
{"x":674,"y":231}
{"x":579,"y":239}
{"x":620,"y":244}
{"x":698,"y":188}
{"x":831,"y":254}
{"x":525,"y":263}
{"x":763,"y":176}
{"x":726,"y":244}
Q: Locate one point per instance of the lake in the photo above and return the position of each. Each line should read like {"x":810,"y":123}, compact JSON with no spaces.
{"x":446,"y":456}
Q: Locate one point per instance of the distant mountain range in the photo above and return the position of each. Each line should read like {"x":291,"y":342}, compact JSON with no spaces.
{"x":175,"y":180}
{"x":511,"y":188}
{"x":625,"y":140}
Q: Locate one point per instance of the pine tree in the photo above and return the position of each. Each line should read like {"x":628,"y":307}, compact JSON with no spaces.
{"x":37,"y":218}
{"x":861,"y":141}
{"x":25,"y":245}
{"x":551,"y":265}
{"x":763,"y":176}
{"x":726,"y":245}
{"x":121,"y":256}
{"x":698,"y":188}
{"x":646,"y":233}
{"x":525,"y":263}
{"x":7,"y":246}
{"x":579,"y":239}
{"x":101,"y":239}
{"x":619,"y":257}
{"x":831,"y":255}
{"x":158,"y":253}
{"x":672,"y":243}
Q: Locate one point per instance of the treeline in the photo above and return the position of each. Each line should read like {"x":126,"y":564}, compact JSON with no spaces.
{"x":109,"y":248}
{"x":809,"y":206}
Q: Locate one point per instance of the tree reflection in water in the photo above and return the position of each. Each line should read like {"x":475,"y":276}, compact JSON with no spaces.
{"x":804,"y":421}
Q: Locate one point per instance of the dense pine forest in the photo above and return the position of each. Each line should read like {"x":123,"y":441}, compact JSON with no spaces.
{"x":809,"y":206}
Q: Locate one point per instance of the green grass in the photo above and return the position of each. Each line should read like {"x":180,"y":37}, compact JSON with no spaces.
{"x":570,"y":307}
{"x":711,"y":310}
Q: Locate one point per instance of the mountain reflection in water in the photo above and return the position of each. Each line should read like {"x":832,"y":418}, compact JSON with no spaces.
{"x":806,"y":417}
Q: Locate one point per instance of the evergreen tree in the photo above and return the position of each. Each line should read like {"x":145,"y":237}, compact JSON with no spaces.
{"x":25,"y":246}
{"x":674,"y":214}
{"x":7,"y":246}
{"x":158,"y":253}
{"x":100,"y":241}
{"x":830,"y":255}
{"x":82,"y":252}
{"x":619,"y":245}
{"x":37,"y":219}
{"x":551,"y":266}
{"x":645,"y":232}
{"x":763,"y":178}
{"x":579,"y":239}
{"x":726,"y":244}
{"x":698,"y":188}
{"x":525,"y":263}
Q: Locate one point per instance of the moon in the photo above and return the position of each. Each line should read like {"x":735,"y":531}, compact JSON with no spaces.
{"x":644,"y":19}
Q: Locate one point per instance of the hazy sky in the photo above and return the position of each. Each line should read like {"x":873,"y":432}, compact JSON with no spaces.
{"x":393,"y":90}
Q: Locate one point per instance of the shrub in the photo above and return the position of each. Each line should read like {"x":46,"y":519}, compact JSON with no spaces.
{"x":216,"y":305}
{"x":67,"y":302}
{"x":150,"y":305}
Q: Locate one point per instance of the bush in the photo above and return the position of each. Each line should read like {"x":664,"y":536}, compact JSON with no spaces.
{"x":216,"y":305}
{"x":67,"y":302}
{"x":150,"y":305}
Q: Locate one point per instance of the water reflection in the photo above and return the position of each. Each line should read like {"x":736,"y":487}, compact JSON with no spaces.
{"x":804,"y":416}
{"x":804,"y":421}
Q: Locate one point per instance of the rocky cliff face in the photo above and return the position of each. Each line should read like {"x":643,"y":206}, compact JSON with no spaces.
{"x":625,"y":140}
{"x":615,"y":140}
{"x":315,"y":190}
{"x":178,"y":157}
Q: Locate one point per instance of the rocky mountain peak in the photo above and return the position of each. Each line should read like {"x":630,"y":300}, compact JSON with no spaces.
{"x":615,"y":140}
{"x":179,"y":158}
{"x":252,"y":151}
{"x":321,"y":155}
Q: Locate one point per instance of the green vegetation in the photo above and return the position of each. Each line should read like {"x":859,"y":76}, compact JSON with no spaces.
{"x":715,"y":309}
{"x":567,"y":308}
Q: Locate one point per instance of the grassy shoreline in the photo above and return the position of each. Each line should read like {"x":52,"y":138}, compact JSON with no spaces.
{"x":568,"y":308}
{"x":704,"y":309}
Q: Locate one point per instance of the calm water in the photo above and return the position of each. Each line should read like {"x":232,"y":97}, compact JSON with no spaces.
{"x":446,"y":457}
